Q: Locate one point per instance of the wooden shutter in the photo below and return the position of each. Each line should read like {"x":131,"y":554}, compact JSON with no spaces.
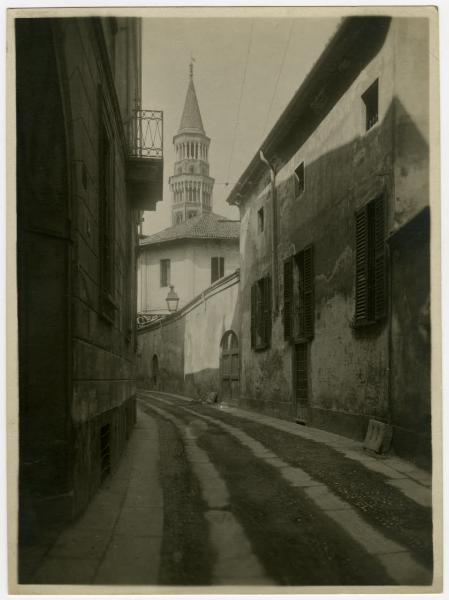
{"x":266,"y":307}
{"x":253,"y":314}
{"x":361,"y":265}
{"x":308,"y":303}
{"x":288,"y":297}
{"x":221,"y":274}
{"x":380,"y":274}
{"x":214,"y":269}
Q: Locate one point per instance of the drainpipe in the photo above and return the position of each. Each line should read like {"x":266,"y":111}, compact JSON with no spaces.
{"x":274,"y":237}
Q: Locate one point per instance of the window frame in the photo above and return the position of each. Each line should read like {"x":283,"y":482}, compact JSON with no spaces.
{"x":366,"y":98}
{"x":299,"y":300}
{"x":261,"y":220}
{"x":166,"y":270}
{"x":261,"y":313}
{"x":300,"y":183}
{"x":219,"y":262}
{"x":370,"y":264}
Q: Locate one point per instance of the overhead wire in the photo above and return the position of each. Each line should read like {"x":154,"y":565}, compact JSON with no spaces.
{"x":287,"y":45}
{"x":240,"y":100}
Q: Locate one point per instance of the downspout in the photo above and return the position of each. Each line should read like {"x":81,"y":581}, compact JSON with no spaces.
{"x":274,"y":236}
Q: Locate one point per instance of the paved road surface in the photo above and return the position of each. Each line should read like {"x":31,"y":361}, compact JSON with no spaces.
{"x":207,"y":495}
{"x":248,"y":503}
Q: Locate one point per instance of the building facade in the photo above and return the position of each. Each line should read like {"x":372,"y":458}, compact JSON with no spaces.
{"x":335,"y":259}
{"x":191,"y":185}
{"x":195,"y":351}
{"x":84,"y":173}
{"x":190,"y":256}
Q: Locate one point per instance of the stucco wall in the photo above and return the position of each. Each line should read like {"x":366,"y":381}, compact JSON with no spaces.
{"x":188,"y":345}
{"x":345,"y":167}
{"x":190,"y":270}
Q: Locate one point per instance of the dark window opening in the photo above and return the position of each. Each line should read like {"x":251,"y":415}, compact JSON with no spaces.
{"x":370,"y":263}
{"x":300,"y":182}
{"x":261,"y":314}
{"x":165,"y":272}
{"x":371,"y":101}
{"x":105,"y":451}
{"x":260,"y":220}
{"x":216,"y":268}
{"x":298,"y":296}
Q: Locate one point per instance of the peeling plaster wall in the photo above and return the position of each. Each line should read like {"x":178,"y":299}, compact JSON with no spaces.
{"x":188,"y":346}
{"x":345,"y":167}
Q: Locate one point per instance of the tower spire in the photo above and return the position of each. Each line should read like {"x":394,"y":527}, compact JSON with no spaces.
{"x":191,"y":115}
{"x":190,"y":183}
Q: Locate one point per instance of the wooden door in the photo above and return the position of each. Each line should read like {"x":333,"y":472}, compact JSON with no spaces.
{"x":229,"y":366}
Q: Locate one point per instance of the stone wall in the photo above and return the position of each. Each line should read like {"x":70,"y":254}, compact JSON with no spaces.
{"x":103,"y":348}
{"x":187,"y":345}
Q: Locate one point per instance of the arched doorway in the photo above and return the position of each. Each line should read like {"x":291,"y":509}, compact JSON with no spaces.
{"x":155,"y":372}
{"x":229,"y":366}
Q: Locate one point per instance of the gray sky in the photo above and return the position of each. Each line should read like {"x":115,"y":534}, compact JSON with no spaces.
{"x":261,"y":62}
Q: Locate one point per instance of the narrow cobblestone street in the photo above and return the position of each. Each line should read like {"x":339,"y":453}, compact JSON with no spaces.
{"x":212,"y":495}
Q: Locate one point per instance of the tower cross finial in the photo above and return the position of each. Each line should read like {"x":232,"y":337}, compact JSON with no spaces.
{"x":192,"y":60}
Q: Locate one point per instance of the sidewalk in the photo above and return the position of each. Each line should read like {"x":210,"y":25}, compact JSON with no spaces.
{"x":117,"y":540}
{"x":415,"y":483}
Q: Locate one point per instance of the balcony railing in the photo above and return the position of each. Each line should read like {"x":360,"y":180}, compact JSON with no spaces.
{"x":146,"y":134}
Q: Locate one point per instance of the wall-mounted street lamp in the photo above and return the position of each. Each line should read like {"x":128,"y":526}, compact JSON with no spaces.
{"x":172,"y":300}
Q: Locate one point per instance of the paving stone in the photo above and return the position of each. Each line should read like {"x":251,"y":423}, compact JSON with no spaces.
{"x":139,"y":521}
{"x":235,"y":560}
{"x":297,"y":477}
{"x":325,"y":499}
{"x":76,"y":543}
{"x":68,"y":571}
{"x":418,"y":493}
{"x":404,"y":569}
{"x":130,"y":560}
{"x":360,"y":531}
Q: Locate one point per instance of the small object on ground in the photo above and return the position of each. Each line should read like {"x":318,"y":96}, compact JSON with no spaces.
{"x":212,"y":398}
{"x":378,"y":436}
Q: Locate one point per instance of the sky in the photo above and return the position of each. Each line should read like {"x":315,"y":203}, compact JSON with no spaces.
{"x":245,"y":72}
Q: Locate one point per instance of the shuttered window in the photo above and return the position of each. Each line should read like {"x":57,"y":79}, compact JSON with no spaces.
{"x":308,"y":304}
{"x":298,"y":296}
{"x":370,"y":263}
{"x":288,"y":297}
{"x":261,"y":313}
{"x":165,"y":272}
{"x":216,"y":268}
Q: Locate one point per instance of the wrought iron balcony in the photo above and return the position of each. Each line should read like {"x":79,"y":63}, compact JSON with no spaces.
{"x":147,"y":134}
{"x":145,"y":161}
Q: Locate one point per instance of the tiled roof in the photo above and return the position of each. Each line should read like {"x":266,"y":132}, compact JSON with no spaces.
{"x":206,"y":226}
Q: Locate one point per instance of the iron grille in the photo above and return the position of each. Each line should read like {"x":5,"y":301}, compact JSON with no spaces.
{"x":105,"y":450}
{"x":146,"y":134}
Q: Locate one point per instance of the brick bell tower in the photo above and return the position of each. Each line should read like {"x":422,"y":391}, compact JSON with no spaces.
{"x":190,"y":184}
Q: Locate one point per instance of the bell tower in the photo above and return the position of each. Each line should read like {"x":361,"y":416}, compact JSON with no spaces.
{"x":190,"y":184}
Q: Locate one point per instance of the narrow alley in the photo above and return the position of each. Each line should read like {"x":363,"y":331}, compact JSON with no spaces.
{"x":226,"y":344}
{"x":213,"y":495}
